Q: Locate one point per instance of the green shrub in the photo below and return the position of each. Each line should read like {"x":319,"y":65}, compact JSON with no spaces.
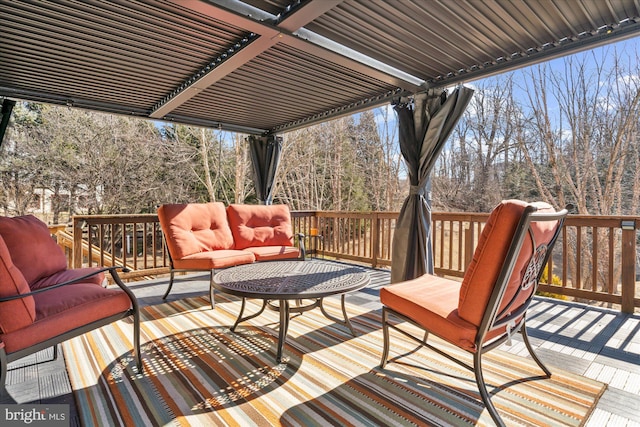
{"x":556,"y":281}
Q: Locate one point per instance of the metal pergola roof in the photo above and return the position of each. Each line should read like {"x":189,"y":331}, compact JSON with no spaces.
{"x":263,"y":66}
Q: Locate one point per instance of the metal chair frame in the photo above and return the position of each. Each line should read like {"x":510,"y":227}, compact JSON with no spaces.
{"x":6,"y":358}
{"x":493,"y":318}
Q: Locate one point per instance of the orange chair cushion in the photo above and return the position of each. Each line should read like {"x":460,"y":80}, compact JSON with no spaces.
{"x":543,"y":232}
{"x":432,"y":302}
{"x":63,"y":309}
{"x":68,"y":275}
{"x":194,"y":228}
{"x":260,"y":225}
{"x":271,"y":253}
{"x":33,"y":251}
{"x":453,"y":310}
{"x":17,"y":313}
{"x":222,"y":258}
{"x":490,"y":254}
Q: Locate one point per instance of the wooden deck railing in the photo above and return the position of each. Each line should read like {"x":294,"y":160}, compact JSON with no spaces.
{"x":594,"y":260}
{"x":134,"y":241}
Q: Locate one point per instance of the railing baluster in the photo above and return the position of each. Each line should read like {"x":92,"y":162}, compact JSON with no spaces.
{"x":610,"y":280}
{"x":595,"y":258}
{"x":450,"y":255}
{"x":628,"y":265}
{"x":578,"y":283}
{"x":100,"y":240}
{"x":460,"y":241}
{"x":368,"y":238}
{"x":565,"y":259}
{"x":154,"y":244}
{"x":77,"y":242}
{"x":134,"y":245}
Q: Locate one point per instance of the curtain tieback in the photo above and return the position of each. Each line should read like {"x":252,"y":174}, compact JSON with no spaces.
{"x":417,"y":190}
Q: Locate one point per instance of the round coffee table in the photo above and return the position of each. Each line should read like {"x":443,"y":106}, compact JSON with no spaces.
{"x":286,"y":281}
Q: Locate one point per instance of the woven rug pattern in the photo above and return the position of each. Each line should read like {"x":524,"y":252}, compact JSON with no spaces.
{"x":198,"y":372}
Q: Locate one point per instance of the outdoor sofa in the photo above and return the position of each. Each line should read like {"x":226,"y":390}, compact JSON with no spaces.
{"x":210,"y":236}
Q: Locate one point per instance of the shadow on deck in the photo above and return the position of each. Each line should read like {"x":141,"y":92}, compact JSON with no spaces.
{"x":598,"y":343}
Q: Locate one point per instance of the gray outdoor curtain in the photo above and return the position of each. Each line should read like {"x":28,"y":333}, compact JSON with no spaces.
{"x":5,"y":114}
{"x":424,"y":127}
{"x":265,"y":157}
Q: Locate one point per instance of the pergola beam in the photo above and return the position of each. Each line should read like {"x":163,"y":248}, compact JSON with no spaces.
{"x":264,"y":34}
{"x":606,"y":35}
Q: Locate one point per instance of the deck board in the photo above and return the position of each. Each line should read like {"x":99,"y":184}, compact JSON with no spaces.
{"x":596,"y":342}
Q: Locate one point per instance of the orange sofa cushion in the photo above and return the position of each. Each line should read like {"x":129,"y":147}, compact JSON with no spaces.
{"x":272,"y":253}
{"x":490,"y":253}
{"x":260,"y":225}
{"x":222,"y":258}
{"x":194,"y":228}
{"x":18,"y":313}
{"x":63,"y":309}
{"x":33,"y":251}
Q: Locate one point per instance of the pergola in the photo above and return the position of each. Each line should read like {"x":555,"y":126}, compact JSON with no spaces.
{"x":264,"y":67}
{"x":269,"y":66}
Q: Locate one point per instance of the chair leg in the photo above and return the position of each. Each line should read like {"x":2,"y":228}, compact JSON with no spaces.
{"x":136,"y":339}
{"x":3,"y":372}
{"x":534,"y":356}
{"x":385,"y":336}
{"x":170,"y":284}
{"x":212,"y":290}
{"x":482,"y":387}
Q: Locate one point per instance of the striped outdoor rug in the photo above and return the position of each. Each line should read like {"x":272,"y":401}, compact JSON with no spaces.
{"x":197,"y":372}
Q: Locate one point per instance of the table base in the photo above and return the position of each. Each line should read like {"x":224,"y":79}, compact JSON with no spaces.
{"x":285,"y":309}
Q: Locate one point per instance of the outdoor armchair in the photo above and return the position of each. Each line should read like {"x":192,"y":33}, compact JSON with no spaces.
{"x":489,"y":305}
{"x":42,"y":303}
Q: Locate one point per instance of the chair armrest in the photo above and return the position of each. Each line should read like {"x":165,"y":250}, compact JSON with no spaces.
{"x":111,"y":270}
{"x":166,"y":247}
{"x":301,"y":245}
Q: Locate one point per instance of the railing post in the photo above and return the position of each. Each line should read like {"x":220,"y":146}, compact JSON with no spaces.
{"x":77,"y":242}
{"x":314,"y":239}
{"x":628,"y":265}
{"x":375,"y":238}
{"x":468,"y":245}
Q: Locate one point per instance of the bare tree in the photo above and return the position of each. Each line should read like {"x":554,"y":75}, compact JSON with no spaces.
{"x":586,"y":120}
{"x":471,"y":174}
{"x":344,"y":164}
{"x":582,"y":142}
{"x":378,"y":158}
{"x":242,"y":181}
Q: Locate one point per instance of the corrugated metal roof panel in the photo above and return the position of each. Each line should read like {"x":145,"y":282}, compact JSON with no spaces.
{"x":255,"y":92}
{"x":430,"y":39}
{"x":127,"y":52}
{"x":273,"y":65}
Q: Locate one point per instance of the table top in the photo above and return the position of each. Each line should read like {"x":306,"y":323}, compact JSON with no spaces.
{"x":290,"y":279}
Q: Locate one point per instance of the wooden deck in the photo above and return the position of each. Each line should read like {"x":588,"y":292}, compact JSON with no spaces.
{"x":598,"y":343}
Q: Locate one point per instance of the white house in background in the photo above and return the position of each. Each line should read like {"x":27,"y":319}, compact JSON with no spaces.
{"x":42,"y":204}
